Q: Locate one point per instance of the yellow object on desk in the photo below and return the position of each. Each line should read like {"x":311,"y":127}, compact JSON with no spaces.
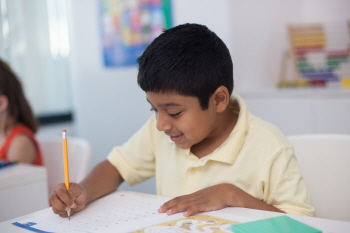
{"x":66,"y":168}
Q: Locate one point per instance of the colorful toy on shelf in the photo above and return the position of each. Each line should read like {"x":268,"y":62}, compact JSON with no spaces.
{"x":320,"y":54}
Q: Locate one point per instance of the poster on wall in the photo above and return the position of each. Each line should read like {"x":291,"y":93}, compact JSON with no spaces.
{"x":128,"y":26}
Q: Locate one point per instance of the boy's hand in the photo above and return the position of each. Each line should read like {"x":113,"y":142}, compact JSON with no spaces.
{"x":212,"y":198}
{"x":61,"y":198}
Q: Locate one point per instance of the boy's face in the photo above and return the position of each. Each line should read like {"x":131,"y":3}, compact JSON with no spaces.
{"x":182,"y":118}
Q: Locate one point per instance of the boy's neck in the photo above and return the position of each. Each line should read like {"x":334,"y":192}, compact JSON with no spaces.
{"x":225,"y":123}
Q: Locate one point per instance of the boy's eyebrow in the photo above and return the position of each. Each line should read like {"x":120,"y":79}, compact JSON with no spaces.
{"x":170,"y":104}
{"x":167,"y":104}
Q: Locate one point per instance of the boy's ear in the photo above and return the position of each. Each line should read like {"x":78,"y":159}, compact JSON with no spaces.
{"x":221,"y":98}
{"x":3,"y":103}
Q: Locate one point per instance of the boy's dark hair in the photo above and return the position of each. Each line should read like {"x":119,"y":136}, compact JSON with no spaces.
{"x":18,"y":106}
{"x":189,"y":60}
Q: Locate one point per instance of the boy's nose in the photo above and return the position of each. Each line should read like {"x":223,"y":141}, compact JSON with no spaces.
{"x":162,"y":123}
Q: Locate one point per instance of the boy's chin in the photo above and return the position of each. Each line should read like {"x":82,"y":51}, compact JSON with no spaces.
{"x":183,"y":146}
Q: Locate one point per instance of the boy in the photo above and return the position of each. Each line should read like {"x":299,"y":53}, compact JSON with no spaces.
{"x":204,"y":147}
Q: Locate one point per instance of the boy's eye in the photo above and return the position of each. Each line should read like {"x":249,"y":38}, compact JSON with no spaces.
{"x":175,"y":115}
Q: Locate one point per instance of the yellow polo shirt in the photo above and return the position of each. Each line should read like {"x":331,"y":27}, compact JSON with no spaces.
{"x":256,"y":158}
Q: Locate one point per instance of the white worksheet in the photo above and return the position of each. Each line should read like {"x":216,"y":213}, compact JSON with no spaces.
{"x":116,"y":212}
{"x":121,"y":212}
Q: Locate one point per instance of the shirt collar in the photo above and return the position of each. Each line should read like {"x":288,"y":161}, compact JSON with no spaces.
{"x":228,"y":151}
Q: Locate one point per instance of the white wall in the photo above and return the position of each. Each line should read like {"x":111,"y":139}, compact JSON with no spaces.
{"x":326,"y":10}
{"x":109,"y":105}
{"x":302,"y":111}
{"x":259,"y":38}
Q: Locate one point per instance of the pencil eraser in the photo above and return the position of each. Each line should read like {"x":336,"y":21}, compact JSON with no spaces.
{"x":64,"y":131}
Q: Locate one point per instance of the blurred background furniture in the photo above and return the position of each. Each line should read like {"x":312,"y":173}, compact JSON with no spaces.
{"x":324,"y":161}
{"x":23,"y":190}
{"x":79,"y":154}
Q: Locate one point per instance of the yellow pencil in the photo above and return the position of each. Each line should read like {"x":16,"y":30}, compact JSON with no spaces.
{"x":66,"y":169}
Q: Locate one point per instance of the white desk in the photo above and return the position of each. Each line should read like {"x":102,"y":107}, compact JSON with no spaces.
{"x":23,"y":190}
{"x":321,"y":224}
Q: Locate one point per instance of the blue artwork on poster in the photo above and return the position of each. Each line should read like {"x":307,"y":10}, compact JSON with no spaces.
{"x":129,"y":26}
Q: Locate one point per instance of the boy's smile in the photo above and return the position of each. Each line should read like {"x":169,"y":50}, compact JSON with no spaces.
{"x":176,"y":138}
{"x":182,"y":118}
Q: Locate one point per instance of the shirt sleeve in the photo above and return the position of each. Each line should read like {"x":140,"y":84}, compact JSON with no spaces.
{"x":135,"y":159}
{"x":283,"y":185}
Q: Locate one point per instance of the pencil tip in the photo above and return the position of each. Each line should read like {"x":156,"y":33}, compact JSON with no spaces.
{"x":69,"y":218}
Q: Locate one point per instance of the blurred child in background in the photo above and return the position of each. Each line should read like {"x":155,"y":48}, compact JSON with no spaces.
{"x":17,"y":122}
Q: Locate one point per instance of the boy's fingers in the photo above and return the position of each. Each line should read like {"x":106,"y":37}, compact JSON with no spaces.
{"x":182,"y":206}
{"x":74,"y":190}
{"x":77,"y":209}
{"x":63,"y":195}
{"x":167,"y":205}
{"x":59,"y":198}
{"x":199,"y":207}
{"x":56,"y":202}
{"x":170,"y":204}
{"x":63,"y":215}
{"x":57,"y":211}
